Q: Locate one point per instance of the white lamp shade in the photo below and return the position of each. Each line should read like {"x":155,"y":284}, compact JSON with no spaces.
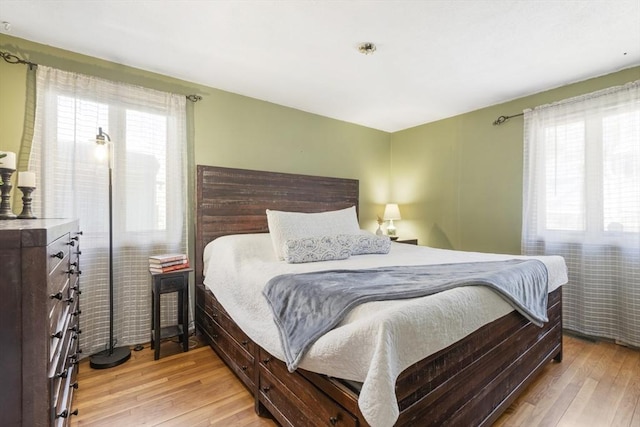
{"x":391,"y":212}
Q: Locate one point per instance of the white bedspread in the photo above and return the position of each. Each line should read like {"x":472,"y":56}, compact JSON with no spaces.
{"x":377,"y":340}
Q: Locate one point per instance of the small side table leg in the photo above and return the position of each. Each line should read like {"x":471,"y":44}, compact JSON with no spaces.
{"x":153,"y":316}
{"x":156,"y":326}
{"x":184,"y":317}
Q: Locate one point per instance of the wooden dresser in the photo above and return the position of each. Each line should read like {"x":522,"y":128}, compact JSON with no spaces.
{"x":39,"y":320}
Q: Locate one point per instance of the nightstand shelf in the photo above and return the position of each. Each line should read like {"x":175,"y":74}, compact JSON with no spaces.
{"x":169,"y":331}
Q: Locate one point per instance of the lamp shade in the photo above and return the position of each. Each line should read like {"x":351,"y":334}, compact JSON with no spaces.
{"x":391,"y":212}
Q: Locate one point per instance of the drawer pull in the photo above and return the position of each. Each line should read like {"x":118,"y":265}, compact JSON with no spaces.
{"x":74,"y":385}
{"x":245,"y":342}
{"x":79,"y":233}
{"x":57,"y":295}
{"x":62,"y":374}
{"x":71,"y":271}
{"x":69,"y":300}
{"x":267,"y":360}
{"x":76,"y":238}
{"x":74,"y":270}
{"x":244,"y":367}
{"x":66,"y":414}
{"x":78,"y":252}
{"x":57,"y":335}
{"x":214,"y":336}
{"x":76,"y":313}
{"x":59,"y":255}
{"x":333,"y":420}
{"x":75,"y":329}
{"x":71,"y":243}
{"x":266,"y":388}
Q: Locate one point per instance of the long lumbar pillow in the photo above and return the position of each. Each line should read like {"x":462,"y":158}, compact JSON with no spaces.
{"x":329,"y":248}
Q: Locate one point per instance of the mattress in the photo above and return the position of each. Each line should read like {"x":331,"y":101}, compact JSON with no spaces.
{"x":377,"y":340}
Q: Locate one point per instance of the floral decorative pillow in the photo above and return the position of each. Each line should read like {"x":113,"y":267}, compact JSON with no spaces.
{"x":368,"y":243}
{"x":313,"y":249}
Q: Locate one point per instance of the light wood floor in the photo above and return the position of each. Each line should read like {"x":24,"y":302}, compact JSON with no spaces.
{"x":596,"y":385}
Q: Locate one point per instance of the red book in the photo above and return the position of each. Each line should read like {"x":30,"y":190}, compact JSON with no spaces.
{"x":169,"y":268}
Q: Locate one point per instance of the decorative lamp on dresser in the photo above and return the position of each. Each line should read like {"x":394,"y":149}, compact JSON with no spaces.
{"x":39,"y":321}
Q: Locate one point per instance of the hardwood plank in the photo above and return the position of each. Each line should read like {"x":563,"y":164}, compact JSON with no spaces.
{"x":562,"y":392}
{"x":628,"y":408}
{"x":578,"y":405}
{"x":597,"y":384}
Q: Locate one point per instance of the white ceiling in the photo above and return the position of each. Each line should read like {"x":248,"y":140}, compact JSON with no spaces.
{"x":434,"y":58}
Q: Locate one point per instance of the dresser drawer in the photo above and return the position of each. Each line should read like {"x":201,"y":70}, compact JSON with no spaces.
{"x":303,"y":405}
{"x":63,"y":367}
{"x":172,"y":283}
{"x":205,"y":323}
{"x":58,"y":309}
{"x":58,"y":279}
{"x":237,"y":357}
{"x":205,"y":299}
{"x":61,"y":409}
{"x":234,"y":331}
{"x":200,"y":295}
{"x":58,"y":252}
{"x":62,"y":334}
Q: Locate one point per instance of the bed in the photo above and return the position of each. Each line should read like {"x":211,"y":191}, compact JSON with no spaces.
{"x":469,"y":382}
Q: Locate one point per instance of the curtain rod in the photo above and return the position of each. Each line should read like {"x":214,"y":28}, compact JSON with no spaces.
{"x":12,"y":59}
{"x":500,"y":120}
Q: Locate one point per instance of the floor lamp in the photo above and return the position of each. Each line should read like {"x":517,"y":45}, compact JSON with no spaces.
{"x":111,"y":356}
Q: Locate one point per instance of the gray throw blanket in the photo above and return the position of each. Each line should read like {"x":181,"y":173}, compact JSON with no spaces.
{"x":308,"y":305}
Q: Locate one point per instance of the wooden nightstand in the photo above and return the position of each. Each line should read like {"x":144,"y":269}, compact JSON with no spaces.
{"x":408,"y":241}
{"x":163,"y":283}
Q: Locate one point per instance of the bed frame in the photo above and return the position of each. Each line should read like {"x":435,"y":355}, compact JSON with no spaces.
{"x":470,"y":383}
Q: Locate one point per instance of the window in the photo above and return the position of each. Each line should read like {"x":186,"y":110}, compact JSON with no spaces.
{"x":590,"y":174}
{"x":147,"y":129}
{"x":582,"y":202}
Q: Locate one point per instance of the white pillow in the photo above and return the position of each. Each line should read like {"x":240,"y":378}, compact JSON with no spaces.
{"x":285,"y":226}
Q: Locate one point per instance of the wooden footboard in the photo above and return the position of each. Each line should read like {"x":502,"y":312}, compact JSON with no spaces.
{"x":469,"y":383}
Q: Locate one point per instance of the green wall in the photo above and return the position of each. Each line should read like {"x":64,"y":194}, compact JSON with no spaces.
{"x":229,"y":130}
{"x":459,"y":181}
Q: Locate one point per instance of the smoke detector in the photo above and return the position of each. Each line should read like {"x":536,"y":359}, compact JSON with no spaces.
{"x":366,"y":48}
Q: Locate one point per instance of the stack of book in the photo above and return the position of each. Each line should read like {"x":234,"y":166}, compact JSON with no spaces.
{"x":165,"y":263}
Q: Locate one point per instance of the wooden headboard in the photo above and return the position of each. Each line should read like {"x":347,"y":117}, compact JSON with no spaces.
{"x":234,"y":201}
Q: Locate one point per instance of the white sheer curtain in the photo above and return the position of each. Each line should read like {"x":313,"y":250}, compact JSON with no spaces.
{"x":148,"y":131}
{"x":582,"y":201}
